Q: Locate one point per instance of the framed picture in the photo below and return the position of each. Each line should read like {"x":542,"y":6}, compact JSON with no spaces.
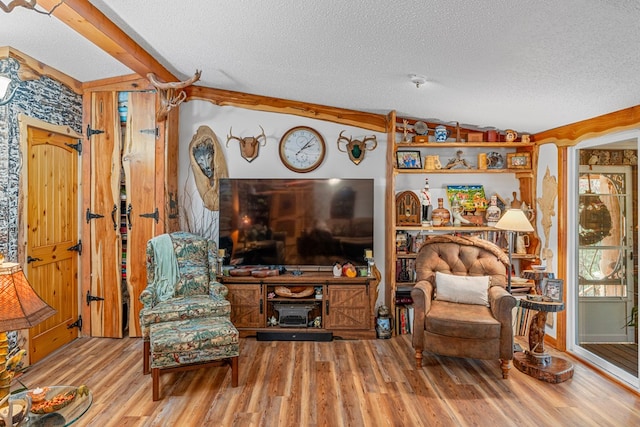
{"x":409,"y":159}
{"x":552,"y":288}
{"x":470,"y":197}
{"x":518,"y":160}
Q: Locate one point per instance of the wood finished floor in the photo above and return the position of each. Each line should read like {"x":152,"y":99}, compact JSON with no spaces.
{"x":624,"y":356}
{"x":339,"y":383}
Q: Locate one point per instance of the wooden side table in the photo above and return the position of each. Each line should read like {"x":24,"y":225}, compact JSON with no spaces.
{"x":536,"y":362}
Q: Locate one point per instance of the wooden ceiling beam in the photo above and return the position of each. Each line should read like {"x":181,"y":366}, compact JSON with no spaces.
{"x":571,"y":134}
{"x":92,"y":24}
{"x":221,"y":97}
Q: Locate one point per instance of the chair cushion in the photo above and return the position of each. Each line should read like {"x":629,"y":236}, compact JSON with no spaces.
{"x":181,"y":308}
{"x":462,"y":289}
{"x":461,"y":321}
{"x":192,"y":341}
{"x":193,"y":264}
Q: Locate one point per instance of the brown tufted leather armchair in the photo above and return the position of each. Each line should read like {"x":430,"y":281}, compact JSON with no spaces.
{"x":463,"y":330}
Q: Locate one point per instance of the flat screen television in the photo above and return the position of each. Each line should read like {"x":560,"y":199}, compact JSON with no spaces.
{"x":295,"y":222}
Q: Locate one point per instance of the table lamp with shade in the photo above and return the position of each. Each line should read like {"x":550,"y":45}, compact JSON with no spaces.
{"x":513,"y":221}
{"x":20,"y":308}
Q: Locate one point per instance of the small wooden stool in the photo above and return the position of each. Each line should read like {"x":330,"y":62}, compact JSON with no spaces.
{"x":192,"y":344}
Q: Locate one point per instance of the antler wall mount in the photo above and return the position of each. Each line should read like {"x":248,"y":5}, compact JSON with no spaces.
{"x":249,"y":145}
{"x":357,"y":148}
{"x":171,"y":94}
{"x":27,"y":4}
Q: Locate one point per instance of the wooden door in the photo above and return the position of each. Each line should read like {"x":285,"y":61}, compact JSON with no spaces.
{"x":247,"y":306}
{"x":103,"y":214}
{"x":51,"y":232}
{"x":605,"y":276}
{"x":348,"y":307}
{"x":123,"y":185}
{"x":139,"y":164}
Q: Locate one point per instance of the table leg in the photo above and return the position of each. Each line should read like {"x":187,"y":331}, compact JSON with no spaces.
{"x":537,"y":362}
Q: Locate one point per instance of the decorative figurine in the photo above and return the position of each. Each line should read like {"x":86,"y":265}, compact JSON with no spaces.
{"x":456,"y":213}
{"x":405,"y":131}
{"x":337,"y":269}
{"x":493,"y":213}
{"x":317,"y":322}
{"x":458,"y":162}
{"x":425,"y":200}
{"x":368,"y":256}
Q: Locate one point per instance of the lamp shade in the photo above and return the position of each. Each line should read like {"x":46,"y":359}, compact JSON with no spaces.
{"x":20,"y":306}
{"x":514,"y":220}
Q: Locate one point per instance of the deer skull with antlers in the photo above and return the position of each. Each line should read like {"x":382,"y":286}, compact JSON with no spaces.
{"x":249,"y":145}
{"x":171,"y":94}
{"x":356,"y":148}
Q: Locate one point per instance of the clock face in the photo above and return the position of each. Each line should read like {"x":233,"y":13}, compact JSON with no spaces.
{"x":302,"y":149}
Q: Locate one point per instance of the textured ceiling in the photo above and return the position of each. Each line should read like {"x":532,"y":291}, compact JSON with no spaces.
{"x":516,"y":64}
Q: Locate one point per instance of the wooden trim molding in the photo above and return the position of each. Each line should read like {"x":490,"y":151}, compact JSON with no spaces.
{"x":571,"y":134}
{"x":128,"y":83}
{"x":221,"y":97}
{"x":32,"y":69}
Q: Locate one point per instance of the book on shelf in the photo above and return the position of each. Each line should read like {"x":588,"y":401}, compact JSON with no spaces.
{"x":405,"y":270}
{"x":404,"y":319}
{"x":521,"y":318}
{"x":403,"y":295}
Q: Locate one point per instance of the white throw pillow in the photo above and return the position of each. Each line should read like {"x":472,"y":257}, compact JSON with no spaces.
{"x":462,"y":289}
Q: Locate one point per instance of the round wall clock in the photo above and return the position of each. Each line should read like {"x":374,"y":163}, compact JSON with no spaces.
{"x":302,"y":149}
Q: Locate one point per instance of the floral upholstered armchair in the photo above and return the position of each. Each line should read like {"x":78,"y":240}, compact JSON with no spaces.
{"x":462,"y":308}
{"x":181,"y":283}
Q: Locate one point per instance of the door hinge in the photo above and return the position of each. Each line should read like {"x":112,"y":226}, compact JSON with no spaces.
{"x":91,"y":298}
{"x":76,"y":324}
{"x":91,"y":132}
{"x":77,"y":248}
{"x":155,"y":215}
{"x":77,"y":147}
{"x":153,"y":131}
{"x":89,"y":215}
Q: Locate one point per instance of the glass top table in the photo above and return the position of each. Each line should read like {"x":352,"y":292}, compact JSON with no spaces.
{"x":62,"y":417}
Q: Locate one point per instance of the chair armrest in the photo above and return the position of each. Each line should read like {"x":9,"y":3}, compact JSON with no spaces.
{"x":148,"y":297}
{"x":502,"y":303}
{"x":217,"y":290}
{"x":422,"y":294}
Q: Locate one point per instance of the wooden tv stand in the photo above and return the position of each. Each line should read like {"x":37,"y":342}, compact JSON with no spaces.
{"x":344,"y":305}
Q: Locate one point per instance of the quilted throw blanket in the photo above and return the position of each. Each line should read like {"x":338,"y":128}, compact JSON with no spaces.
{"x":166,"y":267}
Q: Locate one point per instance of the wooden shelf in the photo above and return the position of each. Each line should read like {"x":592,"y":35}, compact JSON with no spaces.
{"x":464,"y":144}
{"x":462,"y":171}
{"x":465,"y":229}
{"x":295,"y":299}
{"x":523,"y":181}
